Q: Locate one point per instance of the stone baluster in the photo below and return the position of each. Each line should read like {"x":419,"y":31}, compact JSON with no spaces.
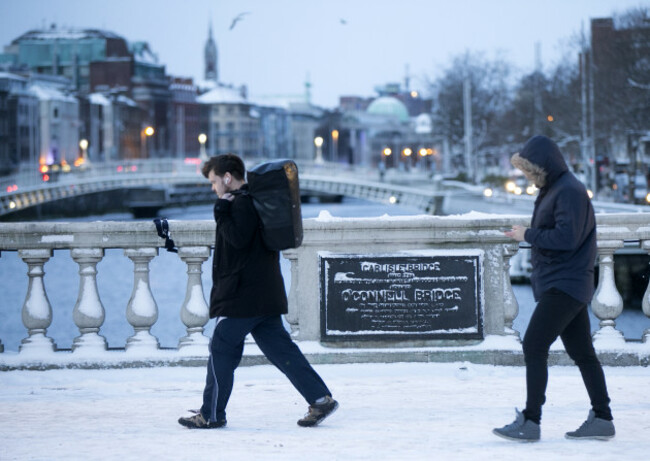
{"x":510,"y":305}
{"x":37,"y":311}
{"x":292,"y":316}
{"x":646,"y":297}
{"x":88,"y":313}
{"x":142,"y":310}
{"x":607,"y":303}
{"x":194,"y":311}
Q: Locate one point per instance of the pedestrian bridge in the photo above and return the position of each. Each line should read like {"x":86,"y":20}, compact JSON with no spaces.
{"x":496,"y":342}
{"x":170,"y":182}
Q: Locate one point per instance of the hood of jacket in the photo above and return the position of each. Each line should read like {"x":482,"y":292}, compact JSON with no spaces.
{"x":542,"y":159}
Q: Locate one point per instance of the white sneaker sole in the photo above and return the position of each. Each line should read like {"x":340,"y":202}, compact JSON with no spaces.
{"x":590,"y":437}
{"x":514,"y":439}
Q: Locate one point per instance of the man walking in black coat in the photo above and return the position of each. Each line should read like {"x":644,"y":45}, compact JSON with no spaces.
{"x":248,"y":296}
{"x":562,"y":236}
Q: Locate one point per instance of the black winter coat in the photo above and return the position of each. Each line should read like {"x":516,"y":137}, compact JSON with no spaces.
{"x":246,"y":277}
{"x":563,"y":228}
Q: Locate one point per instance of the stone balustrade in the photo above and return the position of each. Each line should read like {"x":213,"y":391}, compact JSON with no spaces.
{"x":87,"y":243}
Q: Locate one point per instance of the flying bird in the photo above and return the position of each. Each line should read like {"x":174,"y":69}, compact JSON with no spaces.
{"x":238,"y":18}
{"x":343,"y":21}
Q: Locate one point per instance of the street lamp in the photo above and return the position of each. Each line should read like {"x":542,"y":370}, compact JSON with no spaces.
{"x":422,"y":152}
{"x":318,"y":142}
{"x":83,"y":160}
{"x":406,"y":155}
{"x":147,"y":132}
{"x":335,"y":145}
{"x":202,"y":140}
{"x":384,"y":159}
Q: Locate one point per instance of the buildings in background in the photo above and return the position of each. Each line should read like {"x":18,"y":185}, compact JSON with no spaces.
{"x":61,"y":86}
{"x":19,"y":121}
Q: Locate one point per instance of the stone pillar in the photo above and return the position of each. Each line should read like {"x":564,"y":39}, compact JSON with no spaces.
{"x":510,"y":305}
{"x":607,"y":303}
{"x":292,"y":316}
{"x":37,"y":311}
{"x":142,"y":310}
{"x":646,"y":297}
{"x":194,"y":311}
{"x":88,"y":313}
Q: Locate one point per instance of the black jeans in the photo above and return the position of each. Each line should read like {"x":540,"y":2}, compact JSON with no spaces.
{"x":227,"y":347}
{"x":558,"y":314}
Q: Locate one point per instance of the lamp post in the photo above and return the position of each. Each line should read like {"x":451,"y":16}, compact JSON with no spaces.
{"x":406,"y":153}
{"x":423,"y":158}
{"x":384,"y":159}
{"x":202,"y":154}
{"x":387,"y":152}
{"x":335,"y":145}
{"x":147,"y":132}
{"x":318,"y":142}
{"x":83,"y":144}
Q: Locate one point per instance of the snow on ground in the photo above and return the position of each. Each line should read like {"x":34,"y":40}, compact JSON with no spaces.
{"x":402,"y":411}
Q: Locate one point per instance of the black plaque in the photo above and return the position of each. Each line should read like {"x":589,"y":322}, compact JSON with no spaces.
{"x":436,"y":295}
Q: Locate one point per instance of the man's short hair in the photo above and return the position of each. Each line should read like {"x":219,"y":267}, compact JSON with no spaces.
{"x":225,"y":163}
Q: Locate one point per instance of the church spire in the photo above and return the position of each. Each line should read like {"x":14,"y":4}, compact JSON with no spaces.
{"x":210,"y":56}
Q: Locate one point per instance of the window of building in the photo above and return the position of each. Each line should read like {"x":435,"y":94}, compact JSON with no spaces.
{"x":55,"y":114}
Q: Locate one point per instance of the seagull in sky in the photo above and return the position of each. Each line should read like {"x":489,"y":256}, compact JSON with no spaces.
{"x":238,"y":18}
{"x":343,"y":21}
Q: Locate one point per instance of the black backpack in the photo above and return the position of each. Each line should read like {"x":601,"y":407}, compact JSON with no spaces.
{"x":275,"y":191}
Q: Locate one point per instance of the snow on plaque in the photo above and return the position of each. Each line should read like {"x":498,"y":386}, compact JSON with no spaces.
{"x":411,"y":295}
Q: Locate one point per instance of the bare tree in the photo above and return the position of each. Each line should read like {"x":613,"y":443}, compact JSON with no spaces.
{"x":489,"y":98}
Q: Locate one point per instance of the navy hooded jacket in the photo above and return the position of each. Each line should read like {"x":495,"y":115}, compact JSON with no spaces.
{"x":563,"y":228}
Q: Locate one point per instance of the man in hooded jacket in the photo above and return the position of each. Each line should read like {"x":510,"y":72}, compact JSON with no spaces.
{"x":562,"y":235}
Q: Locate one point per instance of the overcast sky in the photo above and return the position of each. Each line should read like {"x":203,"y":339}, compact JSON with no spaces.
{"x":345,"y":46}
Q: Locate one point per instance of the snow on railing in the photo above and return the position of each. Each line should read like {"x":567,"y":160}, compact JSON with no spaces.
{"x":35,"y":244}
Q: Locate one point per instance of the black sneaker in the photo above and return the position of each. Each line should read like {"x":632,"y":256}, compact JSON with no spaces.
{"x":198,"y":422}
{"x":593,"y":428}
{"x":318,"y":412}
{"x":520,"y":430}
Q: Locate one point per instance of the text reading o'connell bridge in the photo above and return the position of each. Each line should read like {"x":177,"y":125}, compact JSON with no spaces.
{"x":146,"y":186}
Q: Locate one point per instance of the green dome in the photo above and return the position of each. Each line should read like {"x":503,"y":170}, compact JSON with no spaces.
{"x":389,"y":106}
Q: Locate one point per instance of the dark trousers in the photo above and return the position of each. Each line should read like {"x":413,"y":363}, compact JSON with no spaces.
{"x":227,"y":347}
{"x":558,"y":314}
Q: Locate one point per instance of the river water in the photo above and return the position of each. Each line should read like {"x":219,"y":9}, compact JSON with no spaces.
{"x":168,"y":282}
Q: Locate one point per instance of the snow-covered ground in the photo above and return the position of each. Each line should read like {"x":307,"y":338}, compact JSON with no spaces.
{"x":387,"y":411}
